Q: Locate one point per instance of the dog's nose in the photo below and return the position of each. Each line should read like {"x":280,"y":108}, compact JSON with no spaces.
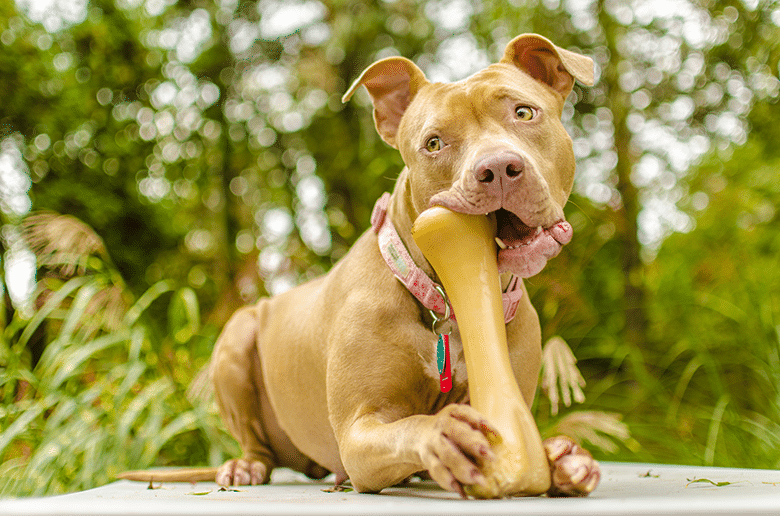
{"x":506,"y":165}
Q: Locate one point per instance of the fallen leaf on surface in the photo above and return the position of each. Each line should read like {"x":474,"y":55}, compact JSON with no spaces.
{"x":337,"y":489}
{"x":706,"y":481}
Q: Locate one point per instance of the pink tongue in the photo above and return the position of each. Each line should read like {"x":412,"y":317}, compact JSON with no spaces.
{"x":528,"y":260}
{"x":562,"y":232}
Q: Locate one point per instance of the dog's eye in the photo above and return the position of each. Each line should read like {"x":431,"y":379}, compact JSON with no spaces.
{"x":433,"y":144}
{"x":524,"y":113}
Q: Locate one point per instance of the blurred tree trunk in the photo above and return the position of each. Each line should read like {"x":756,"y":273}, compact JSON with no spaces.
{"x":224,"y":263}
{"x":627,"y":209}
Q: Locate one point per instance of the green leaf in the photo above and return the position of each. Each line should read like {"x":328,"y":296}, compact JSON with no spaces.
{"x":706,"y":481}
{"x":184,"y":315}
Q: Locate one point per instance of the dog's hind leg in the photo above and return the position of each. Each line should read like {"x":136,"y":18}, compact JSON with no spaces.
{"x":245,"y":408}
{"x":240,"y":394}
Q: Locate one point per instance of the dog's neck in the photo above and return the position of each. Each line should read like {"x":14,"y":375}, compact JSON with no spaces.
{"x":403,"y":213}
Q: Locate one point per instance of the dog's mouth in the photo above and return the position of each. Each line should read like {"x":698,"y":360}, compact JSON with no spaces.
{"x":512,"y":232}
{"x":523,"y":249}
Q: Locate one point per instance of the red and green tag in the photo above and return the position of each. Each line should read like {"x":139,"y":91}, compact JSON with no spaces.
{"x":443,"y":362}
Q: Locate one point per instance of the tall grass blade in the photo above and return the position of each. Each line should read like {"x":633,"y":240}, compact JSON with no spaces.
{"x":51,"y":304}
{"x":140,"y":402}
{"x":715,"y":425}
{"x":68,"y":365}
{"x":23,"y":422}
{"x":146,"y":299}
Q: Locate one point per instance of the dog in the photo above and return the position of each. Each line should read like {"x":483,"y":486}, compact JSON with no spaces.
{"x":340,"y":374}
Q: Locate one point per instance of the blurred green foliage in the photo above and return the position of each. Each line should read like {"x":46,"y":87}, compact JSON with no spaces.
{"x":206,"y":144}
{"x":104,"y":396}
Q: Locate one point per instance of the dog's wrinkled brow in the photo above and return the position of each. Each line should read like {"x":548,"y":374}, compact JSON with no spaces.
{"x":504,"y":93}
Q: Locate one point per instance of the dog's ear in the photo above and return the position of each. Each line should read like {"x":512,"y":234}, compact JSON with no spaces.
{"x":545,"y":62}
{"x":392,"y":83}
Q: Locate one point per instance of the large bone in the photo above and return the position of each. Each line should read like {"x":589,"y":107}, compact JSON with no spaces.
{"x":462,"y":250}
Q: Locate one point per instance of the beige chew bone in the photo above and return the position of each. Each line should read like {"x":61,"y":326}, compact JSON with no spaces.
{"x":462,"y":250}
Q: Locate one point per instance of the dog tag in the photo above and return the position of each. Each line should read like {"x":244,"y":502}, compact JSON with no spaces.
{"x":443,"y":362}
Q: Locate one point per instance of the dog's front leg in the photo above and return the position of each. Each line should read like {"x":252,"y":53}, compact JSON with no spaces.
{"x":384,"y":403}
{"x":451,"y":445}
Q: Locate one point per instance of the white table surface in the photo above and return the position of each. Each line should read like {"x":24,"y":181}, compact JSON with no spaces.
{"x":645,"y":489}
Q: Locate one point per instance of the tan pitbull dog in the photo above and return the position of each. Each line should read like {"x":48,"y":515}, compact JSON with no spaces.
{"x":339,"y":374}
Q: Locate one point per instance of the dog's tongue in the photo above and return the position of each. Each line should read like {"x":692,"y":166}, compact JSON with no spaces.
{"x":525,"y":250}
{"x":562,"y":232}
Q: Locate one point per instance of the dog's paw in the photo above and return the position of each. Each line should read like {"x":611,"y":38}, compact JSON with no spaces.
{"x":457,"y":448}
{"x":573,"y":470}
{"x":243,"y":472}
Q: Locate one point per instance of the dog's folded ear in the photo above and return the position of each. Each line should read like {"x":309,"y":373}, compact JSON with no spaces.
{"x":392,"y":83}
{"x":548,"y":63}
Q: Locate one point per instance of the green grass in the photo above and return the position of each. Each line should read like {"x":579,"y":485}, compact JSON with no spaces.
{"x":100,"y":402}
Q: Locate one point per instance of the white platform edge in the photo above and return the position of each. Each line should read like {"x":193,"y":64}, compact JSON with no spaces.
{"x":626,"y":489}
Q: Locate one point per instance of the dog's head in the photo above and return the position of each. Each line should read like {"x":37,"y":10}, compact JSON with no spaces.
{"x":490,"y":144}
